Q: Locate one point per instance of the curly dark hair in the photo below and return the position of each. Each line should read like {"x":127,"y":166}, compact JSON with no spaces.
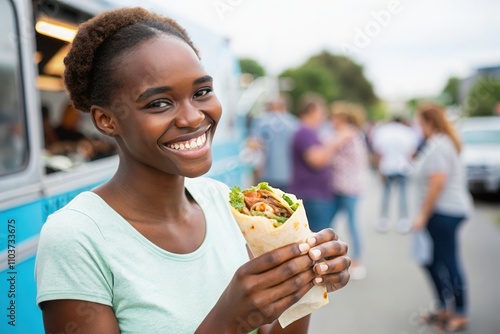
{"x":91,"y":64}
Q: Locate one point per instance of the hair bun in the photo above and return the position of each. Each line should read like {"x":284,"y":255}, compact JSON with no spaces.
{"x":91,"y":37}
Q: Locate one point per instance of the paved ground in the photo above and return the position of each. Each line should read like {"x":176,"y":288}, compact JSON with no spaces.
{"x":396,"y":291}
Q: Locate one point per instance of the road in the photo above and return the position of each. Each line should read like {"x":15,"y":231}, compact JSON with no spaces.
{"x":395,"y":291}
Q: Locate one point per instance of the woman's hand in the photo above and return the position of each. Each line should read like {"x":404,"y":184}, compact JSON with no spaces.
{"x":346,"y":134}
{"x":420,"y":222}
{"x":265,"y":287}
{"x":331,"y":262}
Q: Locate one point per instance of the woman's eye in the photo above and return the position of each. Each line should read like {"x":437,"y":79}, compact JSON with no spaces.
{"x":202,"y":92}
{"x":159,"y":104}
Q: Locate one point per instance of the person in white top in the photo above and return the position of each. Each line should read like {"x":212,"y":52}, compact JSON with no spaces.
{"x":103,"y":260}
{"x":394,"y":144}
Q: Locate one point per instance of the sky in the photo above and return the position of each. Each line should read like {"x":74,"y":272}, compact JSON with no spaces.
{"x":408,"y":48}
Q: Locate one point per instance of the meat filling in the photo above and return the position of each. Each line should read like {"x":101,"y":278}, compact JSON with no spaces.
{"x":264,"y":201}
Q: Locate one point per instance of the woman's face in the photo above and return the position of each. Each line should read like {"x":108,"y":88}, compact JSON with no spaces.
{"x":338,"y":121}
{"x":425,"y":127}
{"x":318,"y":115}
{"x":166,"y":108}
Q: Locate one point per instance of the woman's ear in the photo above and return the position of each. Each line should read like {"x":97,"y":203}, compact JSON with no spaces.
{"x":104,"y":121}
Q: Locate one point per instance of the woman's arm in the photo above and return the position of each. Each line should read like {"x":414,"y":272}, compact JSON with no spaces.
{"x":319,"y":156}
{"x":436,"y":185}
{"x":263,"y":288}
{"x":300,"y":326}
{"x":77,"y":316}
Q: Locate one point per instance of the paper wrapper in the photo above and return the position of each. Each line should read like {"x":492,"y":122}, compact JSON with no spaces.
{"x":263,"y":237}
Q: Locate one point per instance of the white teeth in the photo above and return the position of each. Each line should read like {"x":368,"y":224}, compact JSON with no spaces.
{"x":191,"y":144}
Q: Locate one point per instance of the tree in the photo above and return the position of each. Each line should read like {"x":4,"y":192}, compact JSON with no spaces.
{"x":311,"y":77}
{"x":252,"y":67}
{"x":484,"y":96}
{"x":451,"y":91}
{"x":333,"y":77}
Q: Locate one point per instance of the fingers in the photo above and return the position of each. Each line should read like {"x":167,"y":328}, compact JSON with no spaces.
{"x":291,"y":286}
{"x":290,"y":272}
{"x":332,"y":263}
{"x":274,"y":281}
{"x":277,"y":257}
{"x":275,"y":309}
{"x":334,"y":281}
{"x":290,"y":269}
{"x":333,"y":273}
{"x":325,"y":235}
{"x":333,"y":266}
{"x":329,"y":249}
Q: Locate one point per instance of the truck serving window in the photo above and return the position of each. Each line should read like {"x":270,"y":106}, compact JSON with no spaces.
{"x":69,"y":136}
{"x":13,"y":136}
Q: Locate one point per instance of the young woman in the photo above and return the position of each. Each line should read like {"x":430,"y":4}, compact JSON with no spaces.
{"x":154,"y":250}
{"x":445,"y":204}
{"x":349,"y":166}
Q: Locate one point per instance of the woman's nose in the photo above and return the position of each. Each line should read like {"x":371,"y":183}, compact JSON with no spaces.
{"x":189,"y":116}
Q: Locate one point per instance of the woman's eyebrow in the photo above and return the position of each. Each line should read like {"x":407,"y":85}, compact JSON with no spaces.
{"x":165,"y":89}
{"x":153,"y":91}
{"x":203,"y":79}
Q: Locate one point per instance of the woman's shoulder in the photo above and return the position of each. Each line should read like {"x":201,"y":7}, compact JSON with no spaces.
{"x":204,"y":182}
{"x":207,"y":188}
{"x":442,"y":140}
{"x":443,"y":145}
{"x":75,"y":219}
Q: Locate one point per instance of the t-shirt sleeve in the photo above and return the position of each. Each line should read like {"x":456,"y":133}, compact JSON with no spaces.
{"x":70,"y":260}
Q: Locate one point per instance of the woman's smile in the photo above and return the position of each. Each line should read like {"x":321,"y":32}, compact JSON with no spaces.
{"x":191,"y":147}
{"x":190,"y":144}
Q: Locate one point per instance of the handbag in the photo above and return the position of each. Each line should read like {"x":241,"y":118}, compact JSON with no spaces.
{"x":421,"y":247}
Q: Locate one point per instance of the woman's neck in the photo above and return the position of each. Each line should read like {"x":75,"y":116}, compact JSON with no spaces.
{"x":433,"y":133}
{"x":343,"y":126}
{"x":137,"y":191}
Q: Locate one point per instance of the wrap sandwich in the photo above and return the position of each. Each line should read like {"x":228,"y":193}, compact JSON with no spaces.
{"x":269,"y":219}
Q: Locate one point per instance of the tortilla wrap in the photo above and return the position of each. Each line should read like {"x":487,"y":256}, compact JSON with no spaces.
{"x":263,"y":237}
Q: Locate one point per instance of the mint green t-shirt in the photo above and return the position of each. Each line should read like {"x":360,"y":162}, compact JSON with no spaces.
{"x":88,"y":252}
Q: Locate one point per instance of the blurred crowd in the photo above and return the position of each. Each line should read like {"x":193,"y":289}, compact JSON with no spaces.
{"x":324,"y":153}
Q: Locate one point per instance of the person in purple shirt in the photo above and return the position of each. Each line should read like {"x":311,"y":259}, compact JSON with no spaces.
{"x":310,"y":159}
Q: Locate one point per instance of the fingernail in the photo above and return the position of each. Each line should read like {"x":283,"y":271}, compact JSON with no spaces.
{"x":316,"y":253}
{"x":304,"y":247}
{"x":311,"y":241}
{"x":318,"y":280}
{"x":323,"y":267}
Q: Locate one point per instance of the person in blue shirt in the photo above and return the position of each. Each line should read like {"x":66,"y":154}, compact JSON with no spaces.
{"x":272,"y":133}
